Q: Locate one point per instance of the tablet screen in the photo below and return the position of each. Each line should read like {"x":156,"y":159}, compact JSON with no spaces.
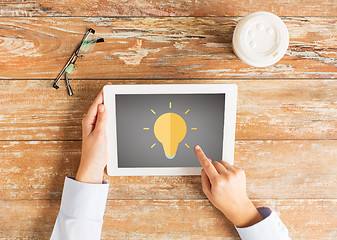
{"x":161,"y":130}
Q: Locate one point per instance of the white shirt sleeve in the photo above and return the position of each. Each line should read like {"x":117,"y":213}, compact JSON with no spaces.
{"x":271,"y":227}
{"x":81,"y":212}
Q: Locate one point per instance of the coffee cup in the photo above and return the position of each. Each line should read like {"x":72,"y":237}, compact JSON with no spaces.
{"x":260,"y":39}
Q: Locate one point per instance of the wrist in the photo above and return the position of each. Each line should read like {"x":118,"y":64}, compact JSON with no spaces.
{"x":89,"y":175}
{"x":247,"y":215}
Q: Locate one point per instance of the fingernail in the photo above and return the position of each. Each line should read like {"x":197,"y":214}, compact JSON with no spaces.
{"x":197,"y":147}
{"x":101,"y":108}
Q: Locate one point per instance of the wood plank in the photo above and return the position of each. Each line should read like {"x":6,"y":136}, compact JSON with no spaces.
{"x":267,"y":109}
{"x":164,"y":8}
{"x":138,"y":48}
{"x":169,"y":219}
{"x":274,"y":169}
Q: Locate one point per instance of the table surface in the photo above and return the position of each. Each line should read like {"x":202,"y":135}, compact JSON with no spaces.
{"x":286,"y":133}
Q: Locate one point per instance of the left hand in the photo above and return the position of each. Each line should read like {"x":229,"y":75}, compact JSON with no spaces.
{"x":94,"y":156}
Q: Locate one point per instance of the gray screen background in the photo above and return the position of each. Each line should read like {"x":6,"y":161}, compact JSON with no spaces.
{"x":133,"y":113}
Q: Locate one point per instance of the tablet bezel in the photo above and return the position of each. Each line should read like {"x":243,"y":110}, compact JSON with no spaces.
{"x":109,"y":93}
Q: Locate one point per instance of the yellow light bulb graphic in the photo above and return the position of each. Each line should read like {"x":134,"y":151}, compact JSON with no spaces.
{"x":170,"y":129}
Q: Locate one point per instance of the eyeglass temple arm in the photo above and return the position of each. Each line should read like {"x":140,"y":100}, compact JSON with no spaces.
{"x":73,"y":57}
{"x":63,"y":70}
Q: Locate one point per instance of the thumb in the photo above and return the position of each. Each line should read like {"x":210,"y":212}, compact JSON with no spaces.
{"x":102,"y":116}
{"x":206,"y":184}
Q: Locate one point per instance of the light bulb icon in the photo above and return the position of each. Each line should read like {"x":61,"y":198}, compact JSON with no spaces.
{"x":170,"y":129}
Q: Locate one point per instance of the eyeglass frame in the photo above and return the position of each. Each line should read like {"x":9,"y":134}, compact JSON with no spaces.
{"x":72,"y":60}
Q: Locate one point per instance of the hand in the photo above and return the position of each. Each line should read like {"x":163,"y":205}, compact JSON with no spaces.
{"x":94,"y":156}
{"x":225,"y":186}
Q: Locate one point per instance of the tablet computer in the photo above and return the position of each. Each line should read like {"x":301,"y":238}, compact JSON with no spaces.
{"x":152,"y":129}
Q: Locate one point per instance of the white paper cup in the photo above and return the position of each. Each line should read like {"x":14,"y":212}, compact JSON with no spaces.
{"x":260,"y":39}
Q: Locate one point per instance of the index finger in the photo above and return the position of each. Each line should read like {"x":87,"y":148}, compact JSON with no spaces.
{"x":206,"y":163}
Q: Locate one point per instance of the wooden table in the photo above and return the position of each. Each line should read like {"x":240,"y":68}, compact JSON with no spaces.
{"x":286,"y":134}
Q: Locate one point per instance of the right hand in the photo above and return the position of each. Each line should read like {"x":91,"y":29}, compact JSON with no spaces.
{"x":225,"y":186}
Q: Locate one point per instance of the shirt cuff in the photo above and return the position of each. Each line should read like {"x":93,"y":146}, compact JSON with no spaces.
{"x":84,"y":200}
{"x":271,"y":227}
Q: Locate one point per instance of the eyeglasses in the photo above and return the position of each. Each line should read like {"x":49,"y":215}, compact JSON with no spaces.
{"x":70,"y":69}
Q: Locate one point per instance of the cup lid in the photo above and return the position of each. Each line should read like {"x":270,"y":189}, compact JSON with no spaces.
{"x":260,"y":39}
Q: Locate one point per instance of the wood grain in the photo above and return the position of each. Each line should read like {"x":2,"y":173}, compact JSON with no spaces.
{"x":274,"y":169}
{"x":286,"y":122}
{"x":169,"y":219}
{"x":152,"y":48}
{"x":165,"y":8}
{"x":267,"y":109}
